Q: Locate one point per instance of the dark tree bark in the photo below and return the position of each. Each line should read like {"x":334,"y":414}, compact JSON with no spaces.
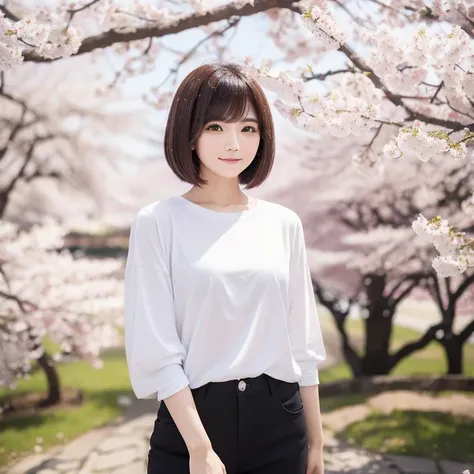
{"x":340,"y":315}
{"x":410,"y":348}
{"x":376,"y":360}
{"x":453,"y":350}
{"x":467,"y":332}
{"x":451,"y":343}
{"x":378,"y":328}
{"x":381,"y":307}
{"x":52,"y":378}
{"x":3,"y":203}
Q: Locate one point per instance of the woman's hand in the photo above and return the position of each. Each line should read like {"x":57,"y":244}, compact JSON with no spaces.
{"x":315,"y":461}
{"x":205,"y":462}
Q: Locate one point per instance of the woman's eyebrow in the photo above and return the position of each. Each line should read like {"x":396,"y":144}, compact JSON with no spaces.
{"x":249,"y":119}
{"x":245,"y":120}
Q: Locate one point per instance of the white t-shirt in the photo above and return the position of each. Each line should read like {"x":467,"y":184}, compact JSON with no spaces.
{"x":212,"y":296}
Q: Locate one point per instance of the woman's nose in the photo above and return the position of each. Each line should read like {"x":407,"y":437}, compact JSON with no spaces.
{"x":232,"y":143}
{"x":232,"y":146}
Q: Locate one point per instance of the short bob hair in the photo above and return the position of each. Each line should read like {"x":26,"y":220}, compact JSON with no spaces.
{"x":219,"y":92}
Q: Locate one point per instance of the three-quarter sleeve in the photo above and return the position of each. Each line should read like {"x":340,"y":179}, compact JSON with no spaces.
{"x":154,"y":352}
{"x":304,"y":327}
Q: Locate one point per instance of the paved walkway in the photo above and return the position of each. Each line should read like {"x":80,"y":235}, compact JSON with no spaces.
{"x":122,"y":449}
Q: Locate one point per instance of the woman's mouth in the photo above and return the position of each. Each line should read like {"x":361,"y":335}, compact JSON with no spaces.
{"x":230,"y":160}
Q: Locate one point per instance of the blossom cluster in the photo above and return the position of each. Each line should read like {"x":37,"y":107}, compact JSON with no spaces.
{"x":398,"y":64}
{"x":355,"y":105}
{"x":456,"y":251}
{"x":45,"y":32}
{"x":47,"y":291}
{"x":59,"y":32}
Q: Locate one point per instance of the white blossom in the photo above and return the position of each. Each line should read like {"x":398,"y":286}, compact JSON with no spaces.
{"x":76,"y":301}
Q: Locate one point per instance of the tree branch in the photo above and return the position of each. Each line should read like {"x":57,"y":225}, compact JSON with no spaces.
{"x":72,"y":12}
{"x":436,"y":293}
{"x":231,"y":24}
{"x":9,"y":14}
{"x":408,"y":349}
{"x":350,"y":355}
{"x":405,"y":293}
{"x":463,"y":287}
{"x":324,"y":75}
{"x":41,"y":174}
{"x":437,"y":91}
{"x":395,"y":99}
{"x":17,"y":127}
{"x":465,"y":334}
{"x":21,"y":303}
{"x":28,"y":157}
{"x":415,"y":281}
{"x":182,"y":23}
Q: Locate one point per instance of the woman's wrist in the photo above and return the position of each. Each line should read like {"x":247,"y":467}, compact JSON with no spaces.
{"x":316,"y":444}
{"x":202,"y":446}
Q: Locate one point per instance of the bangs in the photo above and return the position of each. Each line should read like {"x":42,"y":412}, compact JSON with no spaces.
{"x":229,"y":100}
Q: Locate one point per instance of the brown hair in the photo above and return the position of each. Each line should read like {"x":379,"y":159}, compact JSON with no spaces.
{"x":216,"y":92}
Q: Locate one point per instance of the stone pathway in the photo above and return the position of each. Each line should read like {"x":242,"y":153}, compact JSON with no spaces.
{"x":122,"y":448}
{"x":456,"y":404}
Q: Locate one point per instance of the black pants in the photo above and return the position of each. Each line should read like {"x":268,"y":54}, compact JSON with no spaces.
{"x":256,"y":426}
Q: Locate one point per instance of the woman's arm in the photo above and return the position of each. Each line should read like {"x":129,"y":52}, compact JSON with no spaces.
{"x":154,"y":351}
{"x":305,"y":335}
{"x":202,"y":457}
{"x":312,"y":413}
{"x":304,"y":328}
{"x":184,"y":413}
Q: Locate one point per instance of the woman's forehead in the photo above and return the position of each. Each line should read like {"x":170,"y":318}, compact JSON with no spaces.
{"x":233,"y":111}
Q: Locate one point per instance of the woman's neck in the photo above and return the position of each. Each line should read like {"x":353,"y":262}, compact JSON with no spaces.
{"x":223,"y":196}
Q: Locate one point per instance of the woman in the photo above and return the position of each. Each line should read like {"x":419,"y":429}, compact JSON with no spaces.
{"x":220,"y":316}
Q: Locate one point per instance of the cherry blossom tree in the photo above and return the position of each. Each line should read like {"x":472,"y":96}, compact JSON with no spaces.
{"x":388,"y":88}
{"x":407,"y":67}
{"x":58,"y":139}
{"x":47,"y":292}
{"x":363,"y":254}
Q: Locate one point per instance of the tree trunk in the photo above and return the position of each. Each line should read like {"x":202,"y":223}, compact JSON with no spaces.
{"x":378,"y":329}
{"x":453,"y":350}
{"x":52,"y":379}
{"x":352,"y":359}
{"x":3,"y":203}
{"x":376,"y":360}
{"x":350,"y":355}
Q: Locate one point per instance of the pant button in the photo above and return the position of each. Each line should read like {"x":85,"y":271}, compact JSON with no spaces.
{"x":242,"y":385}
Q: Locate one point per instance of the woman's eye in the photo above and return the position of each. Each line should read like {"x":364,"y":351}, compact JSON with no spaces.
{"x":214,"y":127}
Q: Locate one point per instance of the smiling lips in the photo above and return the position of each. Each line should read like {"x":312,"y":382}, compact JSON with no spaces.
{"x":230,"y":160}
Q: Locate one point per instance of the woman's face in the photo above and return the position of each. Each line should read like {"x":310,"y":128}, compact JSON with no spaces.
{"x":221,"y":140}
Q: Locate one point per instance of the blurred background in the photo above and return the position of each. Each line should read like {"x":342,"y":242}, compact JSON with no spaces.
{"x":81,"y":150}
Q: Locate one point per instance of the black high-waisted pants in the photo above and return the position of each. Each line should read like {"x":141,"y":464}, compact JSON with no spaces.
{"x":256,"y":426}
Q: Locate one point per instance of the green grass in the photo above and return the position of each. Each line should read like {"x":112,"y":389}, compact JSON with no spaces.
{"x":430,"y":360}
{"x":414,"y":433}
{"x":431,"y":434}
{"x":101,"y":388}
{"x":329,"y":404}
